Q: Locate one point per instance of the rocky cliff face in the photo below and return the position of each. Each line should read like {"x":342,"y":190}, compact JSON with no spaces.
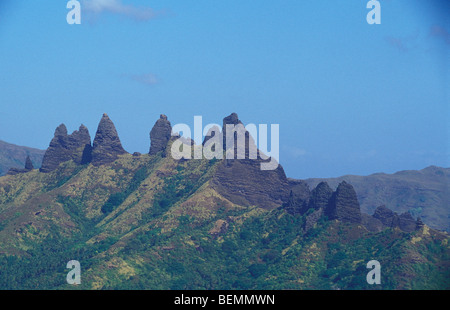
{"x":390,"y":219}
{"x":386,"y":216}
{"x":81,"y":146}
{"x":231,"y":119}
{"x":77,"y":146}
{"x":407,"y":222}
{"x":320,"y":196}
{"x":242,"y":181}
{"x":107,"y":146}
{"x":344,"y":204}
{"x":372,"y":224}
{"x":299,"y":197}
{"x":160,"y":136}
{"x":424,"y":193}
{"x":64,"y":147}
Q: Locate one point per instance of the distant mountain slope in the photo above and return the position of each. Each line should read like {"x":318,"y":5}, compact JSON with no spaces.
{"x":424,"y":193}
{"x":13,"y":156}
{"x":150,"y":221}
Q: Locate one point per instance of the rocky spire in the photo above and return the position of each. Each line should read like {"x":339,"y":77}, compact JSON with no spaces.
{"x":231,"y":119}
{"x":239,"y":135}
{"x":160,"y":136}
{"x":80,"y":142}
{"x":106,"y":147}
{"x":344,"y":204}
{"x":64,"y":147}
{"x":242,"y":181}
{"x":57,"y":152}
{"x":320,"y":196}
{"x":298,"y":198}
{"x":391,"y":219}
{"x":28,"y":164}
{"x":28,"y":167}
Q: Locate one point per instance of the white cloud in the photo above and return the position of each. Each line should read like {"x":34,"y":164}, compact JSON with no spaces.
{"x":294,"y":151}
{"x":97,"y":7}
{"x":147,"y":79}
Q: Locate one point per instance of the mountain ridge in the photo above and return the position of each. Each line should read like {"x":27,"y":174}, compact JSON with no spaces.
{"x":154,"y":222}
{"x":14,"y":156}
{"x":424,"y":193}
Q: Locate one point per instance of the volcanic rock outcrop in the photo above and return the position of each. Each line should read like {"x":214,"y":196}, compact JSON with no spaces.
{"x":242,"y":181}
{"x":160,"y":136}
{"x":386,"y":216}
{"x":391,"y":219}
{"x":344,"y":204}
{"x":28,"y":167}
{"x":106,"y":146}
{"x":407,"y":222}
{"x":299,"y":197}
{"x":320,"y":196}
{"x":64,"y":147}
{"x":372,"y":224}
{"x":28,"y":164}
{"x":231,"y":119}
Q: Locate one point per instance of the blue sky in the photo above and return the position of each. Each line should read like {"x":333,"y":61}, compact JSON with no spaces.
{"x":350,"y":98}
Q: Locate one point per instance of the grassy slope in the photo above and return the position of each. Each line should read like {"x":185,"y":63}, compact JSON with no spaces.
{"x":163,"y":227}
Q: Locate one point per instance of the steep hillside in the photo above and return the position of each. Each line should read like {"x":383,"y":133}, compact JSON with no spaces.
{"x":149,"y":221}
{"x":14,"y":156}
{"x":424,"y":193}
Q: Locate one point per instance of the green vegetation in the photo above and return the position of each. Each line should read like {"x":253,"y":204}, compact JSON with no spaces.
{"x":117,"y":199}
{"x":154,"y":223}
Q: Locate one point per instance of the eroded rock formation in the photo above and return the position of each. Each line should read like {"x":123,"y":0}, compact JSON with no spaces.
{"x":242,"y":181}
{"x":344,"y":204}
{"x":28,"y":167}
{"x":160,"y":136}
{"x":64,"y":147}
{"x":107,"y":146}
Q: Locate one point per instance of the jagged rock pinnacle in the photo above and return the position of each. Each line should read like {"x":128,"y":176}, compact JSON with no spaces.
{"x":232,"y":119}
{"x":64,"y":147}
{"x":320,"y":196}
{"x":28,"y":164}
{"x":28,"y":167}
{"x":107,"y":146}
{"x":160,"y":136}
{"x":242,"y":181}
{"x":344,"y":204}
